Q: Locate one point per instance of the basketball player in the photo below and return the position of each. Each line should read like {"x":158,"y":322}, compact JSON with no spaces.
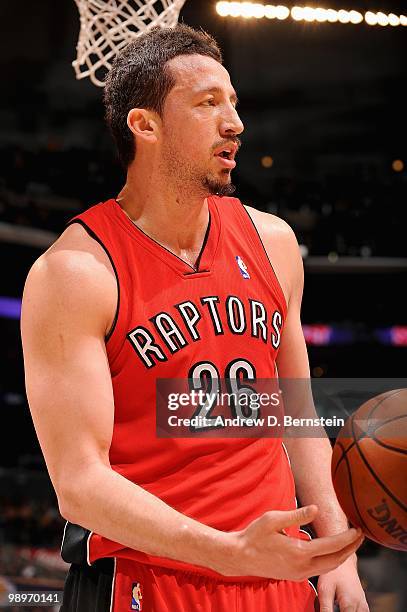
{"x":173,"y":279}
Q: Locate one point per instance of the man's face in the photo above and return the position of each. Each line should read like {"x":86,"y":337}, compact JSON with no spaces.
{"x":200,"y":121}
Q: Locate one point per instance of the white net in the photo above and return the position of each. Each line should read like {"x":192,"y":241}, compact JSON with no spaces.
{"x":108,"y":26}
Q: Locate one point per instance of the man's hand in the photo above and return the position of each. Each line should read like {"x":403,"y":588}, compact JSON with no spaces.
{"x":342,"y":585}
{"x":263,"y":550}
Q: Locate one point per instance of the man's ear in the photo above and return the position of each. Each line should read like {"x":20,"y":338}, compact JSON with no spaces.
{"x":143,"y":124}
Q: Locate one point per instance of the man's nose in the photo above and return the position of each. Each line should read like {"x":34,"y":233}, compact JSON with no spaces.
{"x":231,"y":124}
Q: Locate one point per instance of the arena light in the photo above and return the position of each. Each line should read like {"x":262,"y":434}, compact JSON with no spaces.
{"x":398,"y":165}
{"x":249,"y":10}
{"x":270,"y":11}
{"x":222,"y":9}
{"x":282,"y":12}
{"x":297,"y":13}
{"x":309,"y":14}
{"x":332,"y":15}
{"x":235,"y":9}
{"x":371,"y":18}
{"x":343,"y":16}
{"x":321,"y":15}
{"x":258,"y":11}
{"x":355,"y":17}
{"x":382,"y":19}
{"x":267,"y":161}
{"x":394,"y":20}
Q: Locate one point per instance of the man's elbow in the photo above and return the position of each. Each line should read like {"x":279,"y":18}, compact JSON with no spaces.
{"x":73,"y":498}
{"x":70,"y":505}
{"x":76,"y":491}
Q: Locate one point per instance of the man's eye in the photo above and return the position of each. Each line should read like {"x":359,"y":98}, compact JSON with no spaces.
{"x":210,"y":102}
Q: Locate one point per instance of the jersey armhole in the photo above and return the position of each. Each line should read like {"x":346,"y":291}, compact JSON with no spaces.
{"x":275,"y":278}
{"x":96,"y":237}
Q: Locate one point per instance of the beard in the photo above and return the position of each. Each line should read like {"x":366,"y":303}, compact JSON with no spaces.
{"x":188,"y":177}
{"x":216,"y":187}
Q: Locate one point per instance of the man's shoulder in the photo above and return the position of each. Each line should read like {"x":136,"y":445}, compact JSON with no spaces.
{"x":74,"y":271}
{"x":75,"y":251}
{"x":270,"y":226}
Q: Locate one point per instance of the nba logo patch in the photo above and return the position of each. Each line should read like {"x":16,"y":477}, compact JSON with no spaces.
{"x":136,"y":597}
{"x":242,"y":267}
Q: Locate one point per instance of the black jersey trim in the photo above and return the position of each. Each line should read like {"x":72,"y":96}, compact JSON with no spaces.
{"x":205,"y":240}
{"x":266,"y":254}
{"x":95,"y":237}
{"x":74,"y":547}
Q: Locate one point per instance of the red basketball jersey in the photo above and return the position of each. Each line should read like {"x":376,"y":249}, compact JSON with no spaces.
{"x":171,"y":319}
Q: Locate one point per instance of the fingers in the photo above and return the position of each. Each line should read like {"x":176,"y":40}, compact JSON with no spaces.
{"x":326,"y":563}
{"x":326,"y":595}
{"x":348,"y":606}
{"x":333,"y":544}
{"x":326,"y":598}
{"x":353,"y":604}
{"x":300,"y":516}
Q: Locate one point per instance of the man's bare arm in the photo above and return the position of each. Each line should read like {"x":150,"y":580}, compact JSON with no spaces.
{"x":68,"y":382}
{"x":310,"y":456}
{"x":67,"y":309}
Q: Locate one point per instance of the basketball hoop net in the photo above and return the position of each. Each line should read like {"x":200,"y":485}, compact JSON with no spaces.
{"x":107,"y":26}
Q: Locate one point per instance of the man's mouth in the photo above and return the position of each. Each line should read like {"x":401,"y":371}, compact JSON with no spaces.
{"x":227,"y":151}
{"x":226,"y":154}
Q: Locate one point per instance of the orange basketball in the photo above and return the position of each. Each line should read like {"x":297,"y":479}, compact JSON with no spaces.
{"x":369,"y":468}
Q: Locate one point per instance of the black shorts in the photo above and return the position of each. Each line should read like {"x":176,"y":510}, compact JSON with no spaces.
{"x":89,"y":588}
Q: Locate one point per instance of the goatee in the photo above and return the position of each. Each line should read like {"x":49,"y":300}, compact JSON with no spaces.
{"x":217,"y":188}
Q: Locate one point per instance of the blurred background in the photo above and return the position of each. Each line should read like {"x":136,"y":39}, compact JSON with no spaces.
{"x":324,"y":107}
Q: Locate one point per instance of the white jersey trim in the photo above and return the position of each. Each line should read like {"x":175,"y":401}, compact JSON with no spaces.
{"x":113,"y":585}
{"x":314,"y":589}
{"x":309,"y":581}
{"x":306,"y":532}
{"x":286,"y":452}
{"x":63,"y":537}
{"x":87,"y":548}
{"x":289,"y":463}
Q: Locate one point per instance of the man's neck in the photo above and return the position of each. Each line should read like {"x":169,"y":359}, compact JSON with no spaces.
{"x":175,"y":220}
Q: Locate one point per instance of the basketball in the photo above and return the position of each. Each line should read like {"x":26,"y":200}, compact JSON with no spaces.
{"x":369,"y":467}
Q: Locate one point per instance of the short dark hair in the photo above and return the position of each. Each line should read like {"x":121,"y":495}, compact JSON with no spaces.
{"x":139,"y":77}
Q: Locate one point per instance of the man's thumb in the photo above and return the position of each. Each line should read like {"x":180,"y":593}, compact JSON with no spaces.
{"x":300,"y":516}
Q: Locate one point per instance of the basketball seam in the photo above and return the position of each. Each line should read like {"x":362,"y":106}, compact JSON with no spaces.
{"x":375,"y":476}
{"x":389,"y":394}
{"x":344,"y":452}
{"x":353,"y":497}
{"x":389,"y":447}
